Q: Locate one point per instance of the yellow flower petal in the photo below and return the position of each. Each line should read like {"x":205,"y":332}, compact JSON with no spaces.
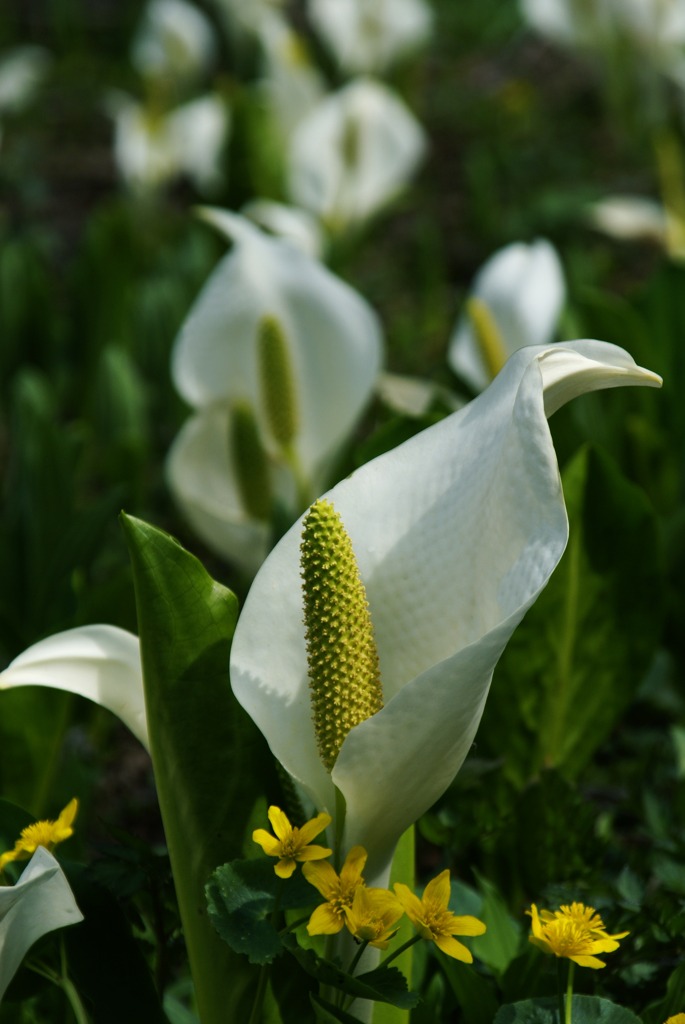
{"x":325,"y":921}
{"x":279,"y":822}
{"x":285,"y":868}
{"x":311,"y":829}
{"x":457,"y":950}
{"x":313,"y":853}
{"x":321,"y":875}
{"x":268,"y":843}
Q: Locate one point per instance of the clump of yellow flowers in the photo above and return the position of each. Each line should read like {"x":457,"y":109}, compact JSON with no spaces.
{"x":574,"y":931}
{"x":370,"y":914}
{"x":42,"y":833}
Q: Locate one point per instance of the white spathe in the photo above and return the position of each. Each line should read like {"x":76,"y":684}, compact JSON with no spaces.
{"x":523,"y":288}
{"x":355,"y":151}
{"x":40,"y":902}
{"x":101,"y":663}
{"x":653,"y":29}
{"x":456,"y":532}
{"x":151,"y":149}
{"x":334,"y":337}
{"x":175,"y":40}
{"x":368,"y":36}
{"x":200,"y":475}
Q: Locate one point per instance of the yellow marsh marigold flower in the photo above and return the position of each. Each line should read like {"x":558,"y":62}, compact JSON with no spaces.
{"x":575,"y":932}
{"x":373,"y":916}
{"x":677,"y":1018}
{"x":337,"y":890}
{"x":291,"y":844}
{"x":42,"y":833}
{"x":432,"y":919}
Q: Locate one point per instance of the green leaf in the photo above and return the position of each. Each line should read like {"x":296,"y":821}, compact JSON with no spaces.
{"x":326,"y":1013}
{"x":673,"y":1001}
{"x":209,"y":760}
{"x":102,"y":951}
{"x":386,"y":984}
{"x":575,"y":662}
{"x":585,"y":1010}
{"x":474,"y":994}
{"x":242,"y":897}
{"x":498,"y":946}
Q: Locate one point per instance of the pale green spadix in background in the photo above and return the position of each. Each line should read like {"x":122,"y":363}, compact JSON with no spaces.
{"x":515,"y":300}
{"x":455,"y":534}
{"x":275,"y":332}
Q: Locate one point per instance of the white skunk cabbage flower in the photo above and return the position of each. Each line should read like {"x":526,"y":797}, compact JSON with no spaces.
{"x":152,"y":148}
{"x":40,"y":902}
{"x":289,"y":222}
{"x":290,"y":83}
{"x":100,"y":663}
{"x":653,"y":29}
{"x":353,"y":153}
{"x":368,"y":36}
{"x":454,"y":533}
{"x":515,"y":300}
{"x":279,"y":357}
{"x":175,"y":40}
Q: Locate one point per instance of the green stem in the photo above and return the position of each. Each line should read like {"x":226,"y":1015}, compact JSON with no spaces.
{"x":258,"y":1005}
{"x":357,"y":956}
{"x":303,"y":486}
{"x":398,"y":952}
{"x":569,"y":993}
{"x":560,"y":988}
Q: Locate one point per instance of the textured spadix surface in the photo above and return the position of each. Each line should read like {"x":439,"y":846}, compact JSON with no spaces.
{"x":456,"y":532}
{"x":40,"y":902}
{"x":99,"y":662}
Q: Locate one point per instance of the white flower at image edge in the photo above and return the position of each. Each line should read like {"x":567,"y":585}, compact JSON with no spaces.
{"x":522,"y":288}
{"x":353,"y":153}
{"x":101,"y":663}
{"x":369,"y":35}
{"x":40,"y":902}
{"x":455,"y":532}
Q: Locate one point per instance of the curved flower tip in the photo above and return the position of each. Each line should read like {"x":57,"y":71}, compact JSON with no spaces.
{"x":40,"y":902}
{"x":516,"y":299}
{"x":455,"y":534}
{"x":101,"y":663}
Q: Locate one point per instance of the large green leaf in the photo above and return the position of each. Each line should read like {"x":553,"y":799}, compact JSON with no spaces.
{"x":576,"y":660}
{"x":585,"y":1010}
{"x":209,"y":760}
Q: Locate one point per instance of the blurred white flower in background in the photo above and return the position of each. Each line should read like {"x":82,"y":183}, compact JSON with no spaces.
{"x":367,"y":36}
{"x":654,"y":29}
{"x":22,"y":72}
{"x":152,"y":148}
{"x":515,"y":300}
{"x":630,"y":217}
{"x":278,"y":357}
{"x":174,"y":40}
{"x":353,"y":153}
{"x":290,"y":83}
{"x":290,"y":222}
